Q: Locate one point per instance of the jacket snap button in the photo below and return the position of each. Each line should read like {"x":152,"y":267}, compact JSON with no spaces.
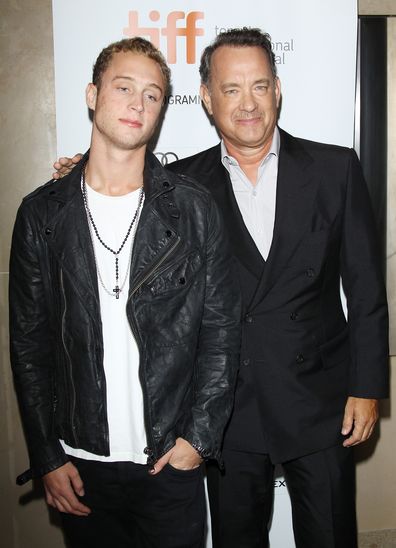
{"x":165,"y":184}
{"x":48,"y":231}
{"x":182,"y":281}
{"x":248,"y":319}
{"x":246,"y":361}
{"x":294,"y":316}
{"x":299,"y":358}
{"x":168,"y":233}
{"x":147,"y":451}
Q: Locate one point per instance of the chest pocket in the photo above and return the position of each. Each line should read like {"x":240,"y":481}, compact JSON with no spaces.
{"x":177,"y":276}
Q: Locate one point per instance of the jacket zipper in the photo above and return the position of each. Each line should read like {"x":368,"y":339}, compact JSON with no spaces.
{"x":155,"y":267}
{"x":134,"y":327}
{"x":72,"y":400}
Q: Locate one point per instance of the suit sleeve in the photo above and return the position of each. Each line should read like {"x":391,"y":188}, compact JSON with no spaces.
{"x":364,"y":289}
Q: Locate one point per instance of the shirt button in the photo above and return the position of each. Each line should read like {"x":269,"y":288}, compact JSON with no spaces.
{"x":310,"y":272}
{"x":300,"y":358}
{"x":294,"y":316}
{"x":248,"y":319}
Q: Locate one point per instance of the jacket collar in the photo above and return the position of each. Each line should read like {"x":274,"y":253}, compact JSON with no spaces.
{"x":242,"y":244}
{"x":67,"y":230}
{"x":156,"y":179}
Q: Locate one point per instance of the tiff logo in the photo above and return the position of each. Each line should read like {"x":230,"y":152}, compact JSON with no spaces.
{"x":171,"y":31}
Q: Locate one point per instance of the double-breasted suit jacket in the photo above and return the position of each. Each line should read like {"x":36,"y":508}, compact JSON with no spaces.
{"x":300,"y":358}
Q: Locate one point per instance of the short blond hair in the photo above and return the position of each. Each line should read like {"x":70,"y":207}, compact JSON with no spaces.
{"x":135,"y":45}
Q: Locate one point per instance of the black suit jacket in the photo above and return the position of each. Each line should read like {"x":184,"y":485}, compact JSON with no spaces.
{"x":300,"y":359}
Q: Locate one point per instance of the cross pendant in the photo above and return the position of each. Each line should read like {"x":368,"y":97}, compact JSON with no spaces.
{"x":117,"y":290}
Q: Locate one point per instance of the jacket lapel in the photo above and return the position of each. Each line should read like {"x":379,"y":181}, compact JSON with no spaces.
{"x":70,"y":240}
{"x":242,"y":244}
{"x":155,"y":237}
{"x":296,"y":191}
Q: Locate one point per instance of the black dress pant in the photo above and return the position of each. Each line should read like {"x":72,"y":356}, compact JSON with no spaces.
{"x":322,"y":493}
{"x":132,"y":509}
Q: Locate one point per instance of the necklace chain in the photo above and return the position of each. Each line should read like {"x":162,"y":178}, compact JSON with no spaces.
{"x":93,"y":229}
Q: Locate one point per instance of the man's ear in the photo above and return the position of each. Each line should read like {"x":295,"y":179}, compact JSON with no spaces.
{"x":206,"y":98}
{"x":91,"y":94}
{"x":277,"y":91}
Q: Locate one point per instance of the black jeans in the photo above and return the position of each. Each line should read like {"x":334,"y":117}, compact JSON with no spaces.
{"x":132,"y":509}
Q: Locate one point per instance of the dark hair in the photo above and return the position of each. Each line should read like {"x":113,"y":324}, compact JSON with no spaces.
{"x":243,"y":37}
{"x":135,"y":45}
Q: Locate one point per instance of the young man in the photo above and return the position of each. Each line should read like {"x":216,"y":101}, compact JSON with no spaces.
{"x":124,"y":325}
{"x":299,"y":216}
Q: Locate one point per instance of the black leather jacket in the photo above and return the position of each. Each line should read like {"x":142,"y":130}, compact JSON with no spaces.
{"x":183,"y":309}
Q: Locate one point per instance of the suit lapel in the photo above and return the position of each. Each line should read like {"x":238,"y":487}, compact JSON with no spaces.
{"x":296,"y":191}
{"x":242,"y":244}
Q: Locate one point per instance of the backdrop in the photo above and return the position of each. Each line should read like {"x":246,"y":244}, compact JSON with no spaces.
{"x":315,"y":47}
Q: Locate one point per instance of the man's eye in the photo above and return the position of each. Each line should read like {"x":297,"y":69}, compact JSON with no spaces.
{"x":230,"y":91}
{"x":262,"y":89}
{"x":151,"y":98}
{"x":123,"y":89}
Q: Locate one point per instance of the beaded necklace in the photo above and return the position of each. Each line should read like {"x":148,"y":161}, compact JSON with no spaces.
{"x":94,"y":231}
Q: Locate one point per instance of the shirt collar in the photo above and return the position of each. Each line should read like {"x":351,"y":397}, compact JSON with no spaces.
{"x":229,"y":161}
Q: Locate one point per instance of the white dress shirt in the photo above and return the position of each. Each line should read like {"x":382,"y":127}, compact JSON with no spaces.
{"x":256,"y":202}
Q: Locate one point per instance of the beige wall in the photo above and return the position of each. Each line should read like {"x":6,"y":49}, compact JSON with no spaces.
{"x":27,"y":147}
{"x":376,"y":478}
{"x":377,"y":7}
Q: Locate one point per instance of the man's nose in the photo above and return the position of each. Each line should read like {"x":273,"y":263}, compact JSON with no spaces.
{"x":136,"y":102}
{"x":248,"y":102}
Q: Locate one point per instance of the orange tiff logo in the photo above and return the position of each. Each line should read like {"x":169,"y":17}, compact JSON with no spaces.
{"x":171,"y":31}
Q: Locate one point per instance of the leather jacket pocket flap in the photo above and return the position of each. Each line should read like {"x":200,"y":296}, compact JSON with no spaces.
{"x":176,"y":276}
{"x":336,"y":350}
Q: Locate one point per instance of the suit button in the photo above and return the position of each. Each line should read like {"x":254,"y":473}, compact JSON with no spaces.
{"x":147,"y":451}
{"x":182,"y":281}
{"x":246,"y":361}
{"x":48,"y":231}
{"x":168,"y":233}
{"x":310,"y":272}
{"x":300,"y":358}
{"x":165,"y":184}
{"x":248,"y":318}
{"x":294,"y":316}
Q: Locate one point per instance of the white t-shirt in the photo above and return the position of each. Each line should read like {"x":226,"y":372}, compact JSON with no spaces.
{"x":112,"y":216}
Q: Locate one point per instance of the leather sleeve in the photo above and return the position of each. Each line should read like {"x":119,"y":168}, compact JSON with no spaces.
{"x":218,"y":347}
{"x":31,"y":345}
